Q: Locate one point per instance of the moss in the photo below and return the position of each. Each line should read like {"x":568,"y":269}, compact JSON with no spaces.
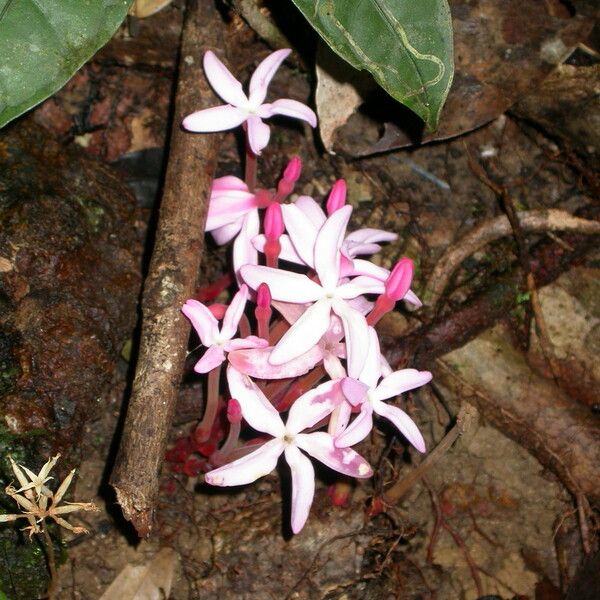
{"x":23,"y":570}
{"x":10,"y":369}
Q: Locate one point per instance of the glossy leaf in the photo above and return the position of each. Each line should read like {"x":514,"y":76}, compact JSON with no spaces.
{"x":405,"y":44}
{"x":44,"y":42}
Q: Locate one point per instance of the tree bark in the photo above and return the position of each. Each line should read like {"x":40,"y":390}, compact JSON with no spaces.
{"x":171,"y":280}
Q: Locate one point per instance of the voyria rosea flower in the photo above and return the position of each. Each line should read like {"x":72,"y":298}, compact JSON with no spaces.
{"x":288,"y":439}
{"x":240,"y":108}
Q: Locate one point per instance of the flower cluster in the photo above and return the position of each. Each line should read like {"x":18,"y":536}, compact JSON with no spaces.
{"x":317,"y":357}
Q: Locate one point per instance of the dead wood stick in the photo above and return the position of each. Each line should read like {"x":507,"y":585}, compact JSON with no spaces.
{"x":528,"y":408}
{"x":171,"y":279}
{"x":494,"y":229}
{"x":447,"y":332}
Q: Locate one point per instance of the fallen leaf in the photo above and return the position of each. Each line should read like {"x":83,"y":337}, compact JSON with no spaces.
{"x":151,"y":581}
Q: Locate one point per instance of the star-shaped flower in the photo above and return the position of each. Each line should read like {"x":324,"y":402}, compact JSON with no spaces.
{"x":219,"y":342}
{"x":288,"y":439}
{"x":46,"y":504}
{"x":369,"y":394}
{"x":249,"y":109}
{"x":329,"y":295}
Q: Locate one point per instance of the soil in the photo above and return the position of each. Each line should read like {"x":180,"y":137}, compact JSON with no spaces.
{"x":488,"y":520}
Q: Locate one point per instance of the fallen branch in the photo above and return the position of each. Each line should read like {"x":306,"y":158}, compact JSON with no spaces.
{"x":528,"y":408}
{"x":447,"y":332}
{"x":171,"y":280}
{"x":531,"y":221}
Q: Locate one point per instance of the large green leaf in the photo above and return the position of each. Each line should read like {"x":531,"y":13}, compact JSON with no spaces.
{"x":405,"y":44}
{"x":43,"y":43}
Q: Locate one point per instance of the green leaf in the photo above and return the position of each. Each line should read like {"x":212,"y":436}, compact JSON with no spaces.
{"x":44,"y":42}
{"x":405,"y":44}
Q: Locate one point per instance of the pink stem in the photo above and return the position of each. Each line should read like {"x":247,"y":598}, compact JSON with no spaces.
{"x":204,"y":429}
{"x":250,"y":165}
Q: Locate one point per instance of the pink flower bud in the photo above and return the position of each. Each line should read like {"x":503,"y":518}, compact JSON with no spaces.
{"x":292,"y":172}
{"x":263,"y":296}
{"x":290,"y":175}
{"x":398,"y":283}
{"x":234,"y":411}
{"x":337,"y":197}
{"x":218,"y":310}
{"x":273,"y":222}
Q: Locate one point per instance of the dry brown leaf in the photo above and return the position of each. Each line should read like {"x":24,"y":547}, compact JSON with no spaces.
{"x":338,"y":94}
{"x":151,"y":581}
{"x":144,"y":8}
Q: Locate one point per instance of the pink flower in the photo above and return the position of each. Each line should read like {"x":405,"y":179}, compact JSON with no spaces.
{"x":328,"y":296}
{"x":219,"y":342}
{"x":288,"y":439}
{"x":368,"y":393}
{"x":245,"y":109}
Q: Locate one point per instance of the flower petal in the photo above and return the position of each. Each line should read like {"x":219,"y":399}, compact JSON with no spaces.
{"x":359,"y":286}
{"x":356,"y":334}
{"x":369,"y":235}
{"x":228,"y":207}
{"x":399,"y":382}
{"x":314,"y":406}
{"x":403,"y":423}
{"x":247,"y":343}
{"x":244,"y":252}
{"x":303,"y":486}
{"x":256,"y":408}
{"x":412,"y":298}
{"x":312,"y":210}
{"x":287,"y":252}
{"x":303,"y":334}
{"x":368,"y":269}
{"x":358,"y":430}
{"x":354,"y":391}
{"x":212,"y":358}
{"x":223,"y":82}
{"x":255,"y":362}
{"x":229,"y":183}
{"x":371,"y":371}
{"x":302,"y":232}
{"x":344,"y":460}
{"x":327,"y":247}
{"x":284,"y":285}
{"x":290,"y":108}
{"x":264,"y":73}
{"x":226,"y":233}
{"x":203,"y":321}
{"x":217,"y":118}
{"x":234,"y":313}
{"x":258,"y":134}
{"x":248,"y":468}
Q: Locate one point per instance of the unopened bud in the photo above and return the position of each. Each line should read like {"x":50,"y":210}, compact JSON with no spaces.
{"x":292,"y":172}
{"x":218,"y":310}
{"x":337,"y":197}
{"x":234,"y":411}
{"x":263,"y":296}
{"x":399,"y":280}
{"x":273,"y":222}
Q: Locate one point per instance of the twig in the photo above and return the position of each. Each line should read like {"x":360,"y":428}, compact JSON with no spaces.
{"x":466,"y":416}
{"x":525,"y":259}
{"x":447,"y":332}
{"x":171,"y":280}
{"x":440,"y":522}
{"x":538,"y":424}
{"x":494,"y":229}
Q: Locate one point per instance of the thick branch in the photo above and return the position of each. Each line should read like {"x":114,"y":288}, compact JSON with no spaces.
{"x":171,"y":279}
{"x":494,"y":229}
